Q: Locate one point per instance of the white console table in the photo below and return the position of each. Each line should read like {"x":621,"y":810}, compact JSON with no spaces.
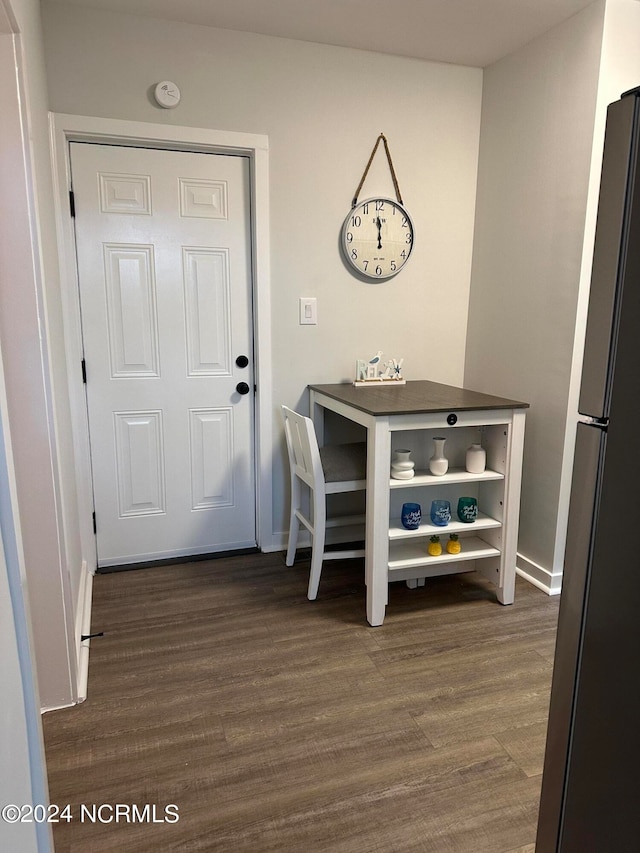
{"x":409,"y":416}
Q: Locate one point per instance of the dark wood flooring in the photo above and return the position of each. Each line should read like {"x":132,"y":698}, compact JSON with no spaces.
{"x":278,"y":724}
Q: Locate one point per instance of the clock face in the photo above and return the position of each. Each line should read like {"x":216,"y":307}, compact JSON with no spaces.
{"x":377,"y":238}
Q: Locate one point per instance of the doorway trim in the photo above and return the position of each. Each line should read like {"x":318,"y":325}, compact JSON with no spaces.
{"x":65,"y":128}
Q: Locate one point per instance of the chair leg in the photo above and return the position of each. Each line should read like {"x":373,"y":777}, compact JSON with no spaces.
{"x":294,"y":523}
{"x":294,"y":529}
{"x":317,"y":545}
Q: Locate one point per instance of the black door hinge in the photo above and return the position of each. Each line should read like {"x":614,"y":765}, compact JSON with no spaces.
{"x":72,"y":204}
{"x":95,"y":527}
{"x":84,"y":371}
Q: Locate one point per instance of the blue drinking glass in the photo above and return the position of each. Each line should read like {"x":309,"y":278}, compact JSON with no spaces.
{"x":440,"y":513}
{"x":411,"y":516}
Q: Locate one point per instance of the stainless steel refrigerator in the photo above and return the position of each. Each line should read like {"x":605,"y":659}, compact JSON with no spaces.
{"x":590,"y":800}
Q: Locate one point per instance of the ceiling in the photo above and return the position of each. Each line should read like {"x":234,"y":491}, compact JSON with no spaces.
{"x":465,"y":32}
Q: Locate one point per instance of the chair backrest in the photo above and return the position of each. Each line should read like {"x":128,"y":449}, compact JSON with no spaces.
{"x":302,"y":446}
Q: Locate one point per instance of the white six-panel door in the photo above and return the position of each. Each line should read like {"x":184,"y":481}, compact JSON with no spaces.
{"x":164,"y":266}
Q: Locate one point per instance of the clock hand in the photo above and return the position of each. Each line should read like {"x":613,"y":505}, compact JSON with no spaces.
{"x":379,"y":224}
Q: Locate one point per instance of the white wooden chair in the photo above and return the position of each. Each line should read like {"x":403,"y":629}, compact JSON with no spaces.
{"x":326,"y":471}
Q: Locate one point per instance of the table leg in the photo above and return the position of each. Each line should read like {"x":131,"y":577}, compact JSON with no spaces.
{"x":377,"y":527}
{"x":316,"y":413}
{"x":505,"y":592}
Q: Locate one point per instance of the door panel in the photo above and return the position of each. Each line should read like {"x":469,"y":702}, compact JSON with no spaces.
{"x":132,"y":319}
{"x":164,"y":267}
{"x":139,"y":463}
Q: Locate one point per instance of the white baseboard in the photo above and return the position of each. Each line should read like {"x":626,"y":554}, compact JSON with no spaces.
{"x":547,"y":581}
{"x":83,"y":627}
{"x":277,"y":543}
{"x":47,"y":708}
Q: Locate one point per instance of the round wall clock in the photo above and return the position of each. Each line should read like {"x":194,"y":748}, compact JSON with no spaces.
{"x":377,"y":238}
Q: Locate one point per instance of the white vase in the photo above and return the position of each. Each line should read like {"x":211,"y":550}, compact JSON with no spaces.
{"x":476,"y":459}
{"x":439,"y":464}
{"x":401,"y":465}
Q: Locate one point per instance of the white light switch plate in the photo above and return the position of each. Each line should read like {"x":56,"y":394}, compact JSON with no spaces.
{"x":308,"y":311}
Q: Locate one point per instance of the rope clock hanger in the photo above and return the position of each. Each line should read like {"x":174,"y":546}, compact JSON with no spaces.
{"x":377,"y":235}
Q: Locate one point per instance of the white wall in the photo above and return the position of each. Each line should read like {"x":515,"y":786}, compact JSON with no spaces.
{"x":36,"y":113}
{"x":538,"y":114}
{"x":15,"y":771}
{"x":31,"y":339}
{"x":322,"y":109}
{"x":22,"y":769}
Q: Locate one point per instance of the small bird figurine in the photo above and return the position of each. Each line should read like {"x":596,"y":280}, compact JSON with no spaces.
{"x":376,"y":357}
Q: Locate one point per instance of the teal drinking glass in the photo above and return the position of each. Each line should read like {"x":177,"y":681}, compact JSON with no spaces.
{"x":467,"y":510}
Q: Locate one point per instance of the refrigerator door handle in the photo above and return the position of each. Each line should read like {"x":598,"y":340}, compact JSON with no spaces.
{"x":591,"y":420}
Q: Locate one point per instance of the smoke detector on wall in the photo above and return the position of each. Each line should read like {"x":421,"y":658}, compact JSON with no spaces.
{"x":167,"y":94}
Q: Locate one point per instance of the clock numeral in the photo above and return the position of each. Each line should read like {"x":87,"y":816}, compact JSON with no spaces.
{"x":356,"y":221}
{"x":405,"y":221}
{"x":403,"y":255}
{"x":349,"y":237}
{"x":365,"y":208}
{"x":354,"y":254}
{"x":379,"y":205}
{"x":365,"y":264}
{"x":393,"y":266}
{"x":378,"y":270}
{"x":408,"y":240}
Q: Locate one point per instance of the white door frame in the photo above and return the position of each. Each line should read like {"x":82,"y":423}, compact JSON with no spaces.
{"x":72,"y":128}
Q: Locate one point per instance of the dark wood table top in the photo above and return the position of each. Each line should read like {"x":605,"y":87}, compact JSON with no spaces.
{"x":416,"y":397}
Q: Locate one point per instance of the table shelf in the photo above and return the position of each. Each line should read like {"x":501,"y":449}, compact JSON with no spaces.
{"x":453,"y":475}
{"x":413,"y":554}
{"x":483,"y":522}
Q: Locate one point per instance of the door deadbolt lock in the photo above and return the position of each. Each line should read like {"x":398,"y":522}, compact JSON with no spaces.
{"x":242,"y":361}
{"x":242,"y":388}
